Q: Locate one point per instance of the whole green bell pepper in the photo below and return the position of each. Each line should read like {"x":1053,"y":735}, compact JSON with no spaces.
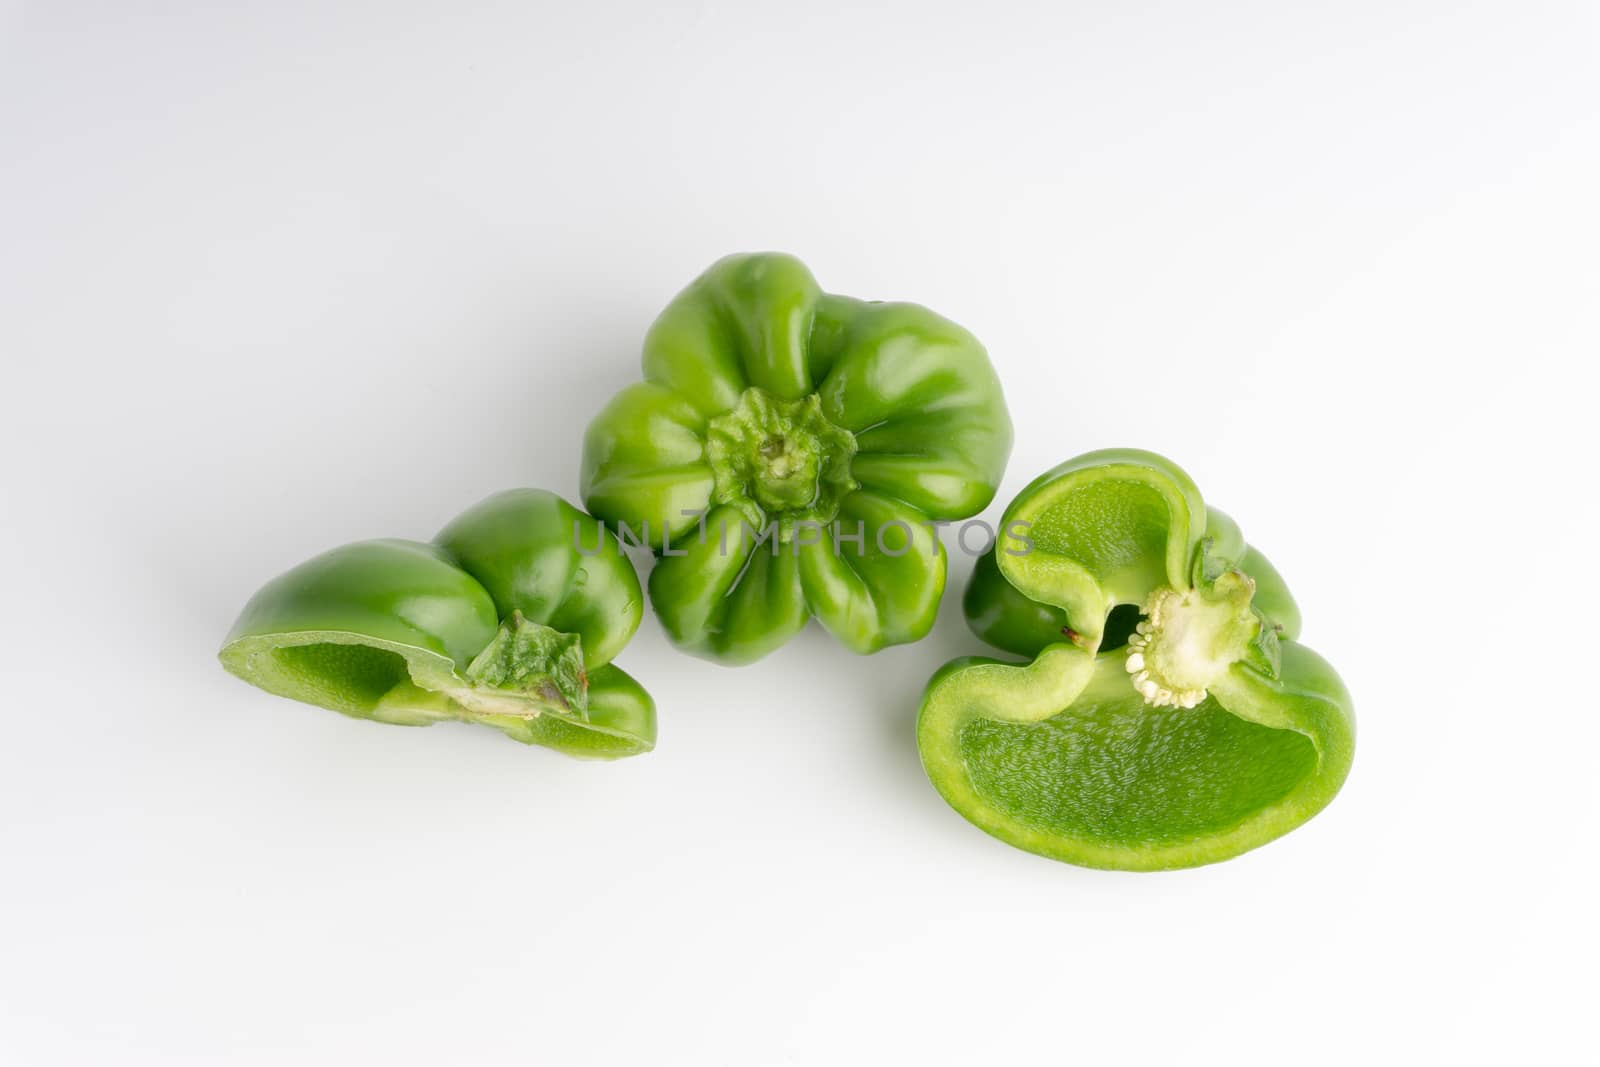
{"x":509,"y":618}
{"x":787,"y":455}
{"x":1168,"y":717}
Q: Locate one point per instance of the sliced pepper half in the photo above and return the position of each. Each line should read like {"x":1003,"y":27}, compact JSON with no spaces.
{"x":1168,"y":717}
{"x":509,"y":618}
{"x":785,"y":455}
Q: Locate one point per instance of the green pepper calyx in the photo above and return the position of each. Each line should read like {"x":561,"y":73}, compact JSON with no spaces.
{"x":526,"y":670}
{"x":1190,"y":638}
{"x":780,"y":461}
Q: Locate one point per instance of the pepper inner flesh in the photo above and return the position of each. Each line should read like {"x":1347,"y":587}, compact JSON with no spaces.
{"x":356,"y":676}
{"x":1116,"y":530}
{"x":527,"y":671}
{"x":1113,"y":769}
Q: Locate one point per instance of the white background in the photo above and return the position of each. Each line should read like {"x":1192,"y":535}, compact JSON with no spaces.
{"x":279,"y":276}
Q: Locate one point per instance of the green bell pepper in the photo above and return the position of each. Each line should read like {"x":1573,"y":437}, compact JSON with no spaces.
{"x":787,"y":456}
{"x":1168,"y":717}
{"x":509,"y":618}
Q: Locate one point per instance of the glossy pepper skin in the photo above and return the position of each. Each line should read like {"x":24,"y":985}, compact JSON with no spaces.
{"x":509,"y":618}
{"x":837,"y":428}
{"x":1168,"y":716}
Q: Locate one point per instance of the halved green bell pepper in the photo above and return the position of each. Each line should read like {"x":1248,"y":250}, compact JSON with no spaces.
{"x":1168,"y":717}
{"x":787,"y":454}
{"x":509,"y":618}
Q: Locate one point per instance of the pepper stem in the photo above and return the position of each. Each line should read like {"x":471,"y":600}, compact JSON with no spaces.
{"x":526,"y":670}
{"x":779,"y":460}
{"x":1189,"y":638}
